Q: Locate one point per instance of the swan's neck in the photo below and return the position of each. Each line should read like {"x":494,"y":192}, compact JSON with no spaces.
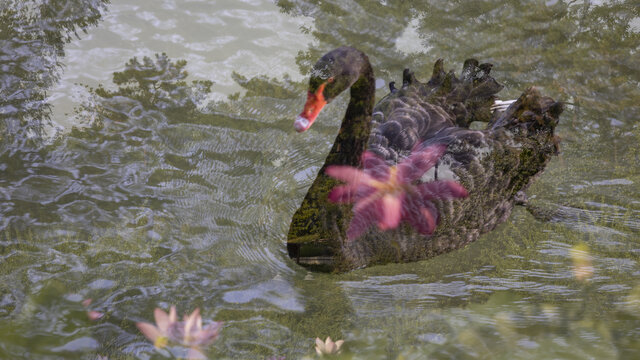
{"x":354,"y":132}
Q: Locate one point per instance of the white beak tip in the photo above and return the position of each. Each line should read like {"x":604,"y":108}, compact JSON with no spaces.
{"x":301,"y":124}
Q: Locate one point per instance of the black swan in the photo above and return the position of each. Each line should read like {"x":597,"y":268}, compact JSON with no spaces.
{"x":492,"y":166}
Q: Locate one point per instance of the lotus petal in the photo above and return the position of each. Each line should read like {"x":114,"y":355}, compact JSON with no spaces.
{"x":190,"y":322}
{"x":445,"y":189}
{"x":162,"y":319}
{"x":320,"y":346}
{"x":208,"y":334}
{"x":349,"y":175}
{"x":375,"y":166}
{"x":422,"y":216}
{"x":389,"y":211}
{"x":173,"y":315}
{"x":361,"y":221}
{"x":194,"y":353}
{"x":330,"y":346}
{"x":151,"y":332}
{"x":343,"y":194}
{"x":413,"y":167}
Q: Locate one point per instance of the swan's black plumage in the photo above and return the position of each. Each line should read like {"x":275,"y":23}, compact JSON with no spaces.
{"x":493,"y":164}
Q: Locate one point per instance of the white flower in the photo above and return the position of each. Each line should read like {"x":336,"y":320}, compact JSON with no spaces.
{"x":328,"y":347}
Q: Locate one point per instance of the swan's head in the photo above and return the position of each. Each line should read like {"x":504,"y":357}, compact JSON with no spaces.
{"x":334,"y":73}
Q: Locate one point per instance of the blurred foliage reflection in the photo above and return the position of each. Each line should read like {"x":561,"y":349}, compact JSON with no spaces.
{"x":32,"y":39}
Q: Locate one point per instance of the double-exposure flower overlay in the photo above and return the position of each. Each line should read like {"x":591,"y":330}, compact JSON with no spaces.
{"x":188,"y":332}
{"x":386,"y":195}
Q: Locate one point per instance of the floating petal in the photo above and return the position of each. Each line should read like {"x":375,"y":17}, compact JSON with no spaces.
{"x":94,"y":315}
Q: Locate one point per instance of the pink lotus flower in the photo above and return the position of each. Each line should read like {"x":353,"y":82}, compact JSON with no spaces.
{"x":188,"y":332}
{"x":385,"y":195}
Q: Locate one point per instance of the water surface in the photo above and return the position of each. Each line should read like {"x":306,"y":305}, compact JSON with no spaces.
{"x":162,"y":187}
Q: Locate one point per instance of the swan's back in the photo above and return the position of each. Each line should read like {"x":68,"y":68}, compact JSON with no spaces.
{"x":421,"y":112}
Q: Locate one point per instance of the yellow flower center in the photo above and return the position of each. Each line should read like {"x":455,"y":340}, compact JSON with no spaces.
{"x":391,"y":186}
{"x":161,"y":342}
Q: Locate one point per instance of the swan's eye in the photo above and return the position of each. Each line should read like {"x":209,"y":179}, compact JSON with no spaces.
{"x":330,"y":80}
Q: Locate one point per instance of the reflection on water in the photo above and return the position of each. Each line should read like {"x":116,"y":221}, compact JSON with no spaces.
{"x":32,"y":36}
{"x":165,"y":197}
{"x":217,"y":38}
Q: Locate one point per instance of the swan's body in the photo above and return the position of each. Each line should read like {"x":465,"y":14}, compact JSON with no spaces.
{"x":492,"y":164}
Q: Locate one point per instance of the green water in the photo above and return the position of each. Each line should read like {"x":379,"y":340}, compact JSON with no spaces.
{"x":151,"y":187}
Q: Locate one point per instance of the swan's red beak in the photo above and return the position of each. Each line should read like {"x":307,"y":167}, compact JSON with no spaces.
{"x":315,"y":103}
